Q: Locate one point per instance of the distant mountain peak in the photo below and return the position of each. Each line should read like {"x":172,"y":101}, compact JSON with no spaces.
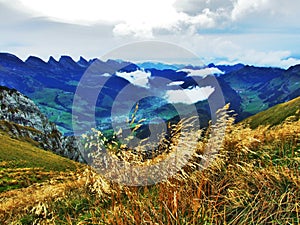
{"x":83,"y":62}
{"x":294,"y":69}
{"x":68,"y":63}
{"x":52,"y":60}
{"x":33,"y":60}
{"x":8,"y":57}
{"x":66,"y":58}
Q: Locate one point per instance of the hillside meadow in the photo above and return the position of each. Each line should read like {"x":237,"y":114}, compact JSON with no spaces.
{"x":254,"y":179}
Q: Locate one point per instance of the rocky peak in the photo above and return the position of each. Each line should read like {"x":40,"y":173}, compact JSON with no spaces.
{"x":21,"y":118}
{"x":17,"y":108}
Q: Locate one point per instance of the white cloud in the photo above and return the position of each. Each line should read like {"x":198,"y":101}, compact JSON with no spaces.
{"x":277,"y":9}
{"x":266,"y":15}
{"x":262,"y":32}
{"x":202,"y":20}
{"x":91,"y":11}
{"x":131,"y":17}
{"x":138,"y":77}
{"x":106,"y":75}
{"x":238,"y":15}
{"x":266,"y":58}
{"x":189,"y":96}
{"x":135,"y":30}
{"x":202,"y":72}
{"x":245,"y":7}
{"x":194,"y":7}
{"x":281,"y":59}
{"x":253,"y":49}
{"x":176,"y":83}
{"x":138,"y":17}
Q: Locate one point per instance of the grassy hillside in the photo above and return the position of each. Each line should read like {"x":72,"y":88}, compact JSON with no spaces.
{"x":275,"y":115}
{"x":22,"y":164}
{"x":254,"y":179}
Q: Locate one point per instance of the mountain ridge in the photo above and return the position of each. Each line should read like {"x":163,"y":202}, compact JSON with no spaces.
{"x":52,"y":84}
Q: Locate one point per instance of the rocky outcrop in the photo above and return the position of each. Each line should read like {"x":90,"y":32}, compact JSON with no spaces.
{"x":22,"y":119}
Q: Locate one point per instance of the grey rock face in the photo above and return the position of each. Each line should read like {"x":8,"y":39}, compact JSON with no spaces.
{"x":21,"y":118}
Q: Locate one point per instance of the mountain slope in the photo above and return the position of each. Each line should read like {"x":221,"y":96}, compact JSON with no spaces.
{"x":22,"y":164}
{"x":22,"y":119}
{"x":30,"y":145}
{"x":23,"y":155}
{"x":276,"y":114}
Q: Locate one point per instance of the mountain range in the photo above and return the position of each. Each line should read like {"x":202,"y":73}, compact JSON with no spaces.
{"x":157,"y":87}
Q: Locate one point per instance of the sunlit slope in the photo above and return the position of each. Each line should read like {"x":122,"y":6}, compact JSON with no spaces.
{"x":276,"y":114}
{"x":22,"y":164}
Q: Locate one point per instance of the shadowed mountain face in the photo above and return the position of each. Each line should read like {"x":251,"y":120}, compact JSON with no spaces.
{"x":52,"y":85}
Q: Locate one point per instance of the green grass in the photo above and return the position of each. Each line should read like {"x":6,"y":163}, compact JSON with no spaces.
{"x":251,"y":102}
{"x":56,"y":105}
{"x":47,"y":97}
{"x":275,"y":115}
{"x":22,"y":164}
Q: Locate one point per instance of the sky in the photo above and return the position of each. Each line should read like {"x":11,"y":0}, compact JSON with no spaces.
{"x":254,"y":32}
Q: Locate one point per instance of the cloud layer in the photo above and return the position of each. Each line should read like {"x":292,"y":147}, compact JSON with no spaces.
{"x":138,"y":77}
{"x":189,"y":96}
{"x":175,"y":94}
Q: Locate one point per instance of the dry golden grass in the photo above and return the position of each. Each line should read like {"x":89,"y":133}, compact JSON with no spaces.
{"x":248,"y":177}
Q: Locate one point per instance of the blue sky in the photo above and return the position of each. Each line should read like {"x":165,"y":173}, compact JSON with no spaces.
{"x":256,"y":32}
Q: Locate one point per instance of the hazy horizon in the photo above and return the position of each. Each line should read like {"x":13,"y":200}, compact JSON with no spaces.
{"x":137,"y":62}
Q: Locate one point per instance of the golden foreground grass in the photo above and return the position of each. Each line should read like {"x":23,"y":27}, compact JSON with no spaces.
{"x":254,"y":179}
